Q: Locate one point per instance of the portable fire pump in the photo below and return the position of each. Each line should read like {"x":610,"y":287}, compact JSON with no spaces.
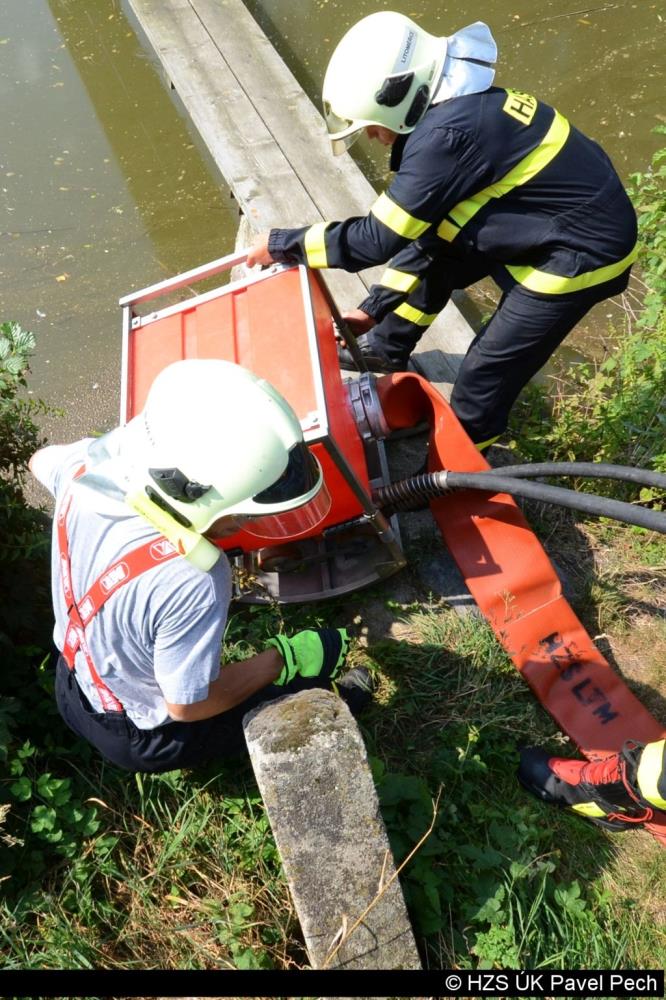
{"x":281,"y":324}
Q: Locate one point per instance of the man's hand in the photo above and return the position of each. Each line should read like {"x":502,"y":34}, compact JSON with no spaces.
{"x":312,"y":653}
{"x":358,"y":321}
{"x":259,"y":251}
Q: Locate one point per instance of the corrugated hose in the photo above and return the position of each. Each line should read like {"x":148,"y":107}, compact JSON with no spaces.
{"x":415,"y":492}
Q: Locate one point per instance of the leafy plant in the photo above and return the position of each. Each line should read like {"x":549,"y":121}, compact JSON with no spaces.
{"x":486,"y":882}
{"x":609,"y":412}
{"x":614,"y":410}
{"x":43,"y":814}
{"x":648,"y":191}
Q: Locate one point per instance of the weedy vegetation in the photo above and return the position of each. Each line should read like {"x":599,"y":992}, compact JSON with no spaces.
{"x":99,"y":869}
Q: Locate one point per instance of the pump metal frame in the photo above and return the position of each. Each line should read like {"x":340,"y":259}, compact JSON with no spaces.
{"x":324,"y":550}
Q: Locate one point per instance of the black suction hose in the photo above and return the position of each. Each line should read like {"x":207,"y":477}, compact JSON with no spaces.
{"x":408,"y":494}
{"x":586,"y":470}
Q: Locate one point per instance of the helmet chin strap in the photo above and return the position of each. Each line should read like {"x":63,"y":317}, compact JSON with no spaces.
{"x":191,"y":545}
{"x":107,"y":477}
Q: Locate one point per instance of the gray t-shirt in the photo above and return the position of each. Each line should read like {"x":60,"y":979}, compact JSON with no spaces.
{"x":159,"y":636}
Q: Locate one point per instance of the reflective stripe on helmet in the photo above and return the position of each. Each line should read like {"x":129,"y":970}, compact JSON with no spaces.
{"x":415,"y":315}
{"x":397,"y":219}
{"x":555,"y":284}
{"x":315,"y":245}
{"x":399,"y":281}
{"x":651,"y":774}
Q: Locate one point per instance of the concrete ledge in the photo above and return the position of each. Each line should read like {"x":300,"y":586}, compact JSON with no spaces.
{"x":312,"y":770}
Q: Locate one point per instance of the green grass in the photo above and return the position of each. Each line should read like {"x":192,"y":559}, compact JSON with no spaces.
{"x":182,"y":871}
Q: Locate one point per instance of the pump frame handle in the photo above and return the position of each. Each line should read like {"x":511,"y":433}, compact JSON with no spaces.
{"x":185,"y":278}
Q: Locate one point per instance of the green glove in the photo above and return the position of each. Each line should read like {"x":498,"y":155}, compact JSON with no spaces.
{"x":312,"y":653}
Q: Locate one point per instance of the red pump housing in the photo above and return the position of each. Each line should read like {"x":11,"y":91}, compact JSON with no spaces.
{"x":278,"y":324}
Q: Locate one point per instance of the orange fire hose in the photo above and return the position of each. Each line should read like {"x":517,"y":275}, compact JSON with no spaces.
{"x":515,"y":586}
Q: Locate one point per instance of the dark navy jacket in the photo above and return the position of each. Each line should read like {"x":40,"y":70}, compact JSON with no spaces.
{"x":498,"y":174}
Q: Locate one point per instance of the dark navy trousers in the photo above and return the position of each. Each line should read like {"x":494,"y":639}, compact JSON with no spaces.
{"x":508,"y":351}
{"x":167,"y":747}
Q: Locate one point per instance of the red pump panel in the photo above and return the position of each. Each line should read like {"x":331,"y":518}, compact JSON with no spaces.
{"x":279,"y":327}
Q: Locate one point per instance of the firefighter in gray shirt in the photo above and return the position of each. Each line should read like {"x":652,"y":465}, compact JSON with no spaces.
{"x":141,"y":593}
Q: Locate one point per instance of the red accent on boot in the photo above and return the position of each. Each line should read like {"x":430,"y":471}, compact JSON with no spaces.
{"x":574,"y":771}
{"x":615,"y":769}
{"x":599,"y":773}
{"x":611,"y":770}
{"x":604,"y":772}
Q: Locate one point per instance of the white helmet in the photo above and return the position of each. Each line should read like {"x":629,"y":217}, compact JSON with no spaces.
{"x":387,"y":71}
{"x":383,"y":72}
{"x":213,"y":439}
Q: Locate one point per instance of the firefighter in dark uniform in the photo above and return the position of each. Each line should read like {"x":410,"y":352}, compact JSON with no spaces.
{"x":489,"y":182}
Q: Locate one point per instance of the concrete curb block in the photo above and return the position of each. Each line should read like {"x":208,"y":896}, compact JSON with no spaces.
{"x":312,"y":770}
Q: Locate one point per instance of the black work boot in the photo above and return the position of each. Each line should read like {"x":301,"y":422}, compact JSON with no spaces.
{"x":356,"y":688}
{"x":374,"y":359}
{"x":607,"y":792}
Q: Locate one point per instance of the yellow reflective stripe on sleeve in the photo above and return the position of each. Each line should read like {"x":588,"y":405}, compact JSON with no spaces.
{"x":555,"y":284}
{"x":447,"y":231}
{"x":464,"y":211}
{"x":649,"y":771}
{"x":315,"y":245}
{"x":399,"y":281}
{"x":415,"y":315}
{"x":524,"y":171}
{"x":589,"y":809}
{"x":397,"y":219}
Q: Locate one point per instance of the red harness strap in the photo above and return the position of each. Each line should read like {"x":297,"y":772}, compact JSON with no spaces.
{"x":82,"y":612}
{"x":517,"y":589}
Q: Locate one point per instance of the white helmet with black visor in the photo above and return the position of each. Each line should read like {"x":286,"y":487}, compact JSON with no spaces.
{"x":387,"y":71}
{"x":212,"y":441}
